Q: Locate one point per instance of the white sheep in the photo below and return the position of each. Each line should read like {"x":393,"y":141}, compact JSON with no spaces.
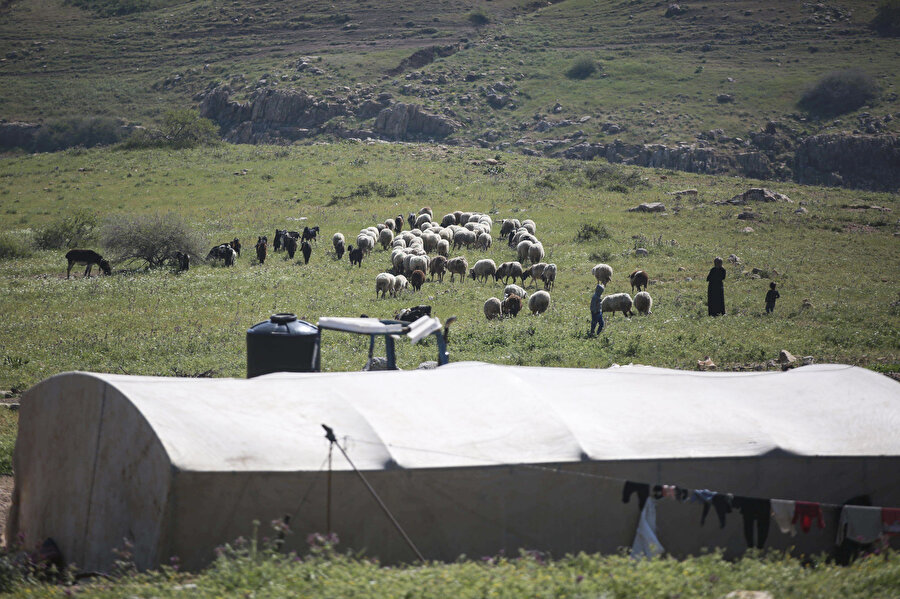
{"x":483,"y":269}
{"x":337,"y":240}
{"x":384,"y":284}
{"x":529,"y":226}
{"x":416,"y":263}
{"x":643,"y":302}
{"x":389,"y":223}
{"x":457,"y":266}
{"x":548,"y":276}
{"x":514,"y":290}
{"x":464,"y":238}
{"x":427,"y":210}
{"x":536,"y":253}
{"x":492,"y":308}
{"x":522,"y":251}
{"x":603,"y":273}
{"x":365,"y":243}
{"x":449,"y":219}
{"x":430,"y":241}
{"x":422,"y":219}
{"x":617,"y":302}
{"x":483,"y":241}
{"x":443,"y":248}
{"x":385,"y":238}
{"x":464,"y":218}
{"x":535,"y":272}
{"x":539,"y":302}
{"x":400,"y":283}
{"x":398,"y":242}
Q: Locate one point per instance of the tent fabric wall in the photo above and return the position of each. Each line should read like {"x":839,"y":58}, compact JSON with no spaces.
{"x":471,"y":458}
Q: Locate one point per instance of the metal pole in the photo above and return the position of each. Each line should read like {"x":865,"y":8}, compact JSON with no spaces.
{"x":328,"y":500}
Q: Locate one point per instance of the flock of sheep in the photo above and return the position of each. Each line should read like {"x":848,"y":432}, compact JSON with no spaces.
{"x":424,"y":251}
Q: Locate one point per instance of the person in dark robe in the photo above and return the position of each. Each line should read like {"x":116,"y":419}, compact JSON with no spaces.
{"x":715,"y":291}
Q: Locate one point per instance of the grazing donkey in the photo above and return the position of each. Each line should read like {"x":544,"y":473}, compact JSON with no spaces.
{"x":88,"y":258}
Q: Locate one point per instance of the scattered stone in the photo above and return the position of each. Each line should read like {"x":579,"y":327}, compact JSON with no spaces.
{"x":688,"y":279}
{"x":786,"y":357}
{"x":748,"y":216}
{"x":649,"y":207}
{"x":747,"y":230}
{"x":681,"y":269}
{"x":801,"y":210}
{"x":806,"y":305}
{"x":757,"y":194}
{"x":404,"y":121}
{"x":674,"y":10}
{"x":641,"y":252}
{"x":706,"y":364}
{"x":807,"y":360}
{"x":557,"y":108}
{"x":684,"y":192}
{"x":725,"y":98}
{"x":734,"y":259}
{"x":760,"y":273}
{"x":749,"y":595}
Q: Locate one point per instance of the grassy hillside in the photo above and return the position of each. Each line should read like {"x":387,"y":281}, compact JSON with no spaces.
{"x":843,"y":260}
{"x":658,"y":80}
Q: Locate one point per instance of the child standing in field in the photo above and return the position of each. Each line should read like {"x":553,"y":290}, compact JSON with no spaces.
{"x":597,"y":310}
{"x":771,"y":296}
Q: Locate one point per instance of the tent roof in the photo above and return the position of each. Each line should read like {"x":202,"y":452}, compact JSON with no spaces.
{"x":470,"y":414}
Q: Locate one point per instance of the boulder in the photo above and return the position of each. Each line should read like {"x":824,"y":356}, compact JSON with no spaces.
{"x":684,"y":192}
{"x":757,"y":194}
{"x":786,"y":357}
{"x":747,"y":230}
{"x":725,"y":98}
{"x":410,"y":121}
{"x":649,"y":207}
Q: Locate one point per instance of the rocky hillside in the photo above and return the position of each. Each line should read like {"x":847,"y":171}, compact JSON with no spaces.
{"x":703,"y":88}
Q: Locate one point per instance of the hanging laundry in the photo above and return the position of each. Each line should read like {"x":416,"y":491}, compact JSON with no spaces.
{"x":657,"y":492}
{"x":669,"y":491}
{"x":783,"y":512}
{"x":859,"y":523}
{"x":890,"y":518}
{"x":721,"y":502}
{"x":642,"y":490}
{"x":756,"y":513}
{"x":646,"y":543}
{"x":806,"y":512}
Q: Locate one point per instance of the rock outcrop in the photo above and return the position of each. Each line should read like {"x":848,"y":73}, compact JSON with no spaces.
{"x":690,"y":158}
{"x":410,"y":121}
{"x":424,"y":56}
{"x":861,"y":161}
{"x":17,"y":135}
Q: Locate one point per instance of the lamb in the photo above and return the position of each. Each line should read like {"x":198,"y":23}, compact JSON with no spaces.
{"x":508,"y":270}
{"x":643,"y":302}
{"x":511,"y":306}
{"x":337,"y":240}
{"x":385,"y":238}
{"x":522,"y":251}
{"x":400,"y":283}
{"x":384,"y":284}
{"x":603,"y":273}
{"x":89,"y":258}
{"x":549,"y":276}
{"x":457,"y":266}
{"x":356,"y":256}
{"x":483,"y":269}
{"x":514,"y":290}
{"x":638,"y":278}
{"x":539,"y":302}
{"x":492,"y":308}
{"x":536,"y":253}
{"x":617,"y":302}
{"x":306,"y":250}
{"x":438,"y":267}
{"x":417,"y":279}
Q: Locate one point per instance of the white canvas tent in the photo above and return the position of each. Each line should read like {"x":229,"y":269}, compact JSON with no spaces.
{"x":471,"y":458}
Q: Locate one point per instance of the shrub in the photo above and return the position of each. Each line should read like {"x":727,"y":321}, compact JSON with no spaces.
{"x":109,"y":8}
{"x":839,"y":92}
{"x":86,"y":131}
{"x":180,"y":129}
{"x":479,"y":18}
{"x":589,"y":232}
{"x":582,"y":68}
{"x":613,"y":177}
{"x":887,"y":19}
{"x":152,"y":239}
{"x":73,"y":230}
{"x":12,"y":247}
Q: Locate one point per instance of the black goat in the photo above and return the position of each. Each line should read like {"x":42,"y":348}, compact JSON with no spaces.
{"x":182,"y":261}
{"x":398,"y":223}
{"x":306,"y":250}
{"x":278,"y":241}
{"x":356,"y":256}
{"x":290,"y":244}
{"x":310,"y":234}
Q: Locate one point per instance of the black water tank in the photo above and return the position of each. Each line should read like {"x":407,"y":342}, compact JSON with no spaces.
{"x":282,"y":344}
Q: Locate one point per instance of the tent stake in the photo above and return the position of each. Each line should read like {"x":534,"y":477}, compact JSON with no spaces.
{"x":329,"y":434}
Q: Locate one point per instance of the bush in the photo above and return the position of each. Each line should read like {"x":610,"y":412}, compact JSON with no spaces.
{"x":839,"y":92}
{"x":12,"y":247}
{"x":589,"y":232}
{"x":76,"y":229}
{"x":887,"y":19}
{"x":109,"y":8}
{"x":82,"y":131}
{"x":613,"y":177}
{"x":180,"y":129}
{"x":582,"y":69}
{"x":152,"y":239}
{"x":479,"y":18}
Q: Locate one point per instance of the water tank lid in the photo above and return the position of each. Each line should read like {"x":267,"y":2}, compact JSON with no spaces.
{"x":283,"y":324}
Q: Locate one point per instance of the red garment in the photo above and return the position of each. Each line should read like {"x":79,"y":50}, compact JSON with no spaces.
{"x":890,"y":520}
{"x":806,"y":511}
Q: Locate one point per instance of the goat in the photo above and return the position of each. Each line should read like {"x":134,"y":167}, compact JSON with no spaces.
{"x":262,"y":248}
{"x":223,"y":252}
{"x":182,"y":261}
{"x":356,"y":256}
{"x":290,"y":244}
{"x":413,"y":314}
{"x":278,"y":241}
{"x":236,"y":245}
{"x":311,"y":234}
{"x":88,"y":258}
{"x":398,"y":223}
{"x":306,"y":250}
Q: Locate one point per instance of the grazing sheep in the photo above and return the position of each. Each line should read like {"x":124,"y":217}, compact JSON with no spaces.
{"x":417,"y":279}
{"x":398,"y":223}
{"x":389,"y":224}
{"x":385,"y":238}
{"x":511,"y":306}
{"x":603,"y":273}
{"x":529,"y":226}
{"x":356,"y":256}
{"x":457,"y":266}
{"x":290,"y":244}
{"x":421,"y":220}
{"x":536,"y":272}
{"x":262,"y":248}
{"x":539,"y":302}
{"x":483,"y":241}
{"x":522,"y":251}
{"x":337,"y":240}
{"x":617,"y":302}
{"x":443,"y":248}
{"x":464,"y":218}
{"x":483,"y":269}
{"x":398,"y":242}
{"x":643,"y":302}
{"x":514,"y":290}
{"x":464,"y":238}
{"x":384,"y":284}
{"x":400,"y":283}
{"x":306,"y":250}
{"x":508,"y":270}
{"x":536,"y":253}
{"x":427,"y":210}
{"x":549,"y":276}
{"x":492,"y":308}
{"x":438,"y":267}
{"x":638,"y":278}
{"x":449,"y":219}
{"x":430,"y":241}
{"x":415,"y":263}
{"x":365,"y":243}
